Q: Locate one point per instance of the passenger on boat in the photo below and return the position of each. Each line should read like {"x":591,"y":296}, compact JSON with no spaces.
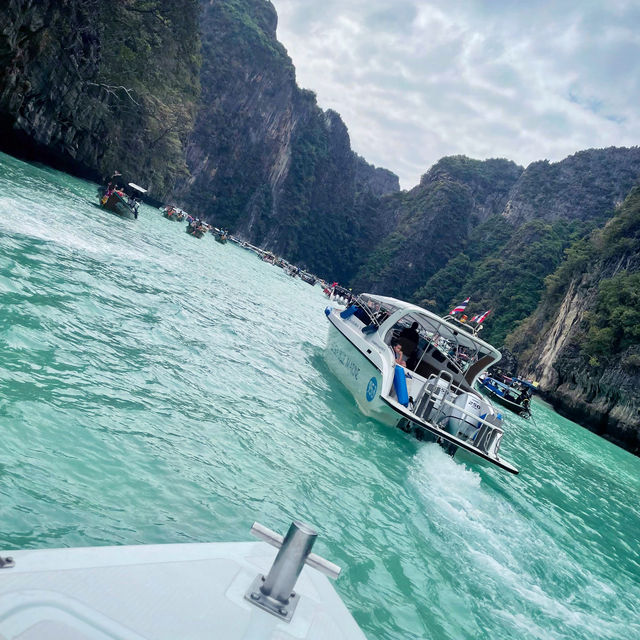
{"x":400,"y":359}
{"x":135,"y":205}
{"x":107,"y":193}
{"x":350,"y":297}
{"x":408,"y":338}
{"x":523,"y":397}
{"x":116,"y":180}
{"x":410,"y":333}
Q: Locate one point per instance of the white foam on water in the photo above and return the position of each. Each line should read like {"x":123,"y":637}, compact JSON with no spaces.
{"x":507,"y":562}
{"x":82,"y":227}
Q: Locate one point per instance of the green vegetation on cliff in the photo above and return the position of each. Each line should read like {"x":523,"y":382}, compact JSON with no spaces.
{"x":583,"y":340}
{"x":511,"y":243}
{"x":613,"y":325}
{"x":420,"y":243}
{"x":504,"y":271}
{"x":610,"y":325}
{"x":148,"y":77}
{"x":94,"y":86}
{"x":426,"y":227}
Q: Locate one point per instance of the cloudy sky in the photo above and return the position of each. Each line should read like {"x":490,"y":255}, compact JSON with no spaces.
{"x":415,"y":80}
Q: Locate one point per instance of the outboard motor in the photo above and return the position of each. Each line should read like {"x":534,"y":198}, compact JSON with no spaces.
{"x":489,"y":436}
{"x":461,"y":419}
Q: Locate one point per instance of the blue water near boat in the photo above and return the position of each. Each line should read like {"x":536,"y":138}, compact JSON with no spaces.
{"x":154,"y":389}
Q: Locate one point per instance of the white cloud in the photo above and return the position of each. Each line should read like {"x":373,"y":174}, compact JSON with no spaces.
{"x":415,"y":80}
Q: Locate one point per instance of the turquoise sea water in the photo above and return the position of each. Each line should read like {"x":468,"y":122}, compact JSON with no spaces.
{"x":157,"y":388}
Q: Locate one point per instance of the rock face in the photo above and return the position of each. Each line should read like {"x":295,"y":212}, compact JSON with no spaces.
{"x":47,"y":104}
{"x":584,"y":186}
{"x":582,"y":343}
{"x":493,"y":231}
{"x":375,"y":181}
{"x":264,"y":159}
{"x":80,"y":85}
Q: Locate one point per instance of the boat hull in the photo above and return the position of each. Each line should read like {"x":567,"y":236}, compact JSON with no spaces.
{"x":359,"y":375}
{"x":198,"y":233}
{"x":117,"y":205}
{"x":363,"y":378}
{"x":522,"y":411}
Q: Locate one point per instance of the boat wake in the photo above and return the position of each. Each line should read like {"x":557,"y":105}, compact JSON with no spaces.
{"x":501,"y":556}
{"x":435,"y":469}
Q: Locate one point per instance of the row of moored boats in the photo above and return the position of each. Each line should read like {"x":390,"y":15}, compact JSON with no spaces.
{"x":195,"y":226}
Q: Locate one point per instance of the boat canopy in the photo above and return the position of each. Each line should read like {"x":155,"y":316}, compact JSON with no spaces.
{"x":498,"y":384}
{"x":454,"y":339}
{"x":525,"y":383}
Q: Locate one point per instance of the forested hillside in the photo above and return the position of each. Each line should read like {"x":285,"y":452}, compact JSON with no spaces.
{"x":583,"y":341}
{"x":503,"y":262}
{"x":432,"y":223}
{"x":265,"y":160}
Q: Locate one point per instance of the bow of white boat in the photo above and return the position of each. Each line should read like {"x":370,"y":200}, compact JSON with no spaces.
{"x":171,"y":591}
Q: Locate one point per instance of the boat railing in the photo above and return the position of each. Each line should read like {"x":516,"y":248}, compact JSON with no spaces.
{"x":432,"y":404}
{"x":358,"y":303}
{"x":370,"y":314}
{"x":431,"y":394}
{"x":465,"y":325}
{"x":488,"y":438}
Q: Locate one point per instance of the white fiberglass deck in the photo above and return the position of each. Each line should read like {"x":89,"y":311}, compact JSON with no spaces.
{"x":172,"y":592}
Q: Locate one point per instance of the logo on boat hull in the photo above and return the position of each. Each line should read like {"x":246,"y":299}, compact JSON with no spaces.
{"x":372,"y":387}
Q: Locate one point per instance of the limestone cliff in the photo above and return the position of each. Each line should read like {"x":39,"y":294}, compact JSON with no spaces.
{"x":264,"y":159}
{"x":49,"y":53}
{"x":374,"y":181}
{"x":428,"y":225}
{"x":582,"y":186}
{"x":94,"y":86}
{"x":583,"y":343}
{"x":520,"y":239}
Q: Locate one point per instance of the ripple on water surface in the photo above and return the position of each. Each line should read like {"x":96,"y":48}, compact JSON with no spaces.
{"x":159,"y":388}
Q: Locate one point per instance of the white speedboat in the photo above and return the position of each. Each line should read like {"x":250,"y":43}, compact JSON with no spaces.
{"x":175,"y":591}
{"x":433,"y":395}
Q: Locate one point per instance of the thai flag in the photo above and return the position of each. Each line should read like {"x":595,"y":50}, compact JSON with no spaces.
{"x":483,"y":317}
{"x":460,"y":307}
{"x":474,"y":318}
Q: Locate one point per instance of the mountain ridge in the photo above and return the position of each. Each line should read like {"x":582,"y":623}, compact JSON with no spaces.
{"x":199,"y":101}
